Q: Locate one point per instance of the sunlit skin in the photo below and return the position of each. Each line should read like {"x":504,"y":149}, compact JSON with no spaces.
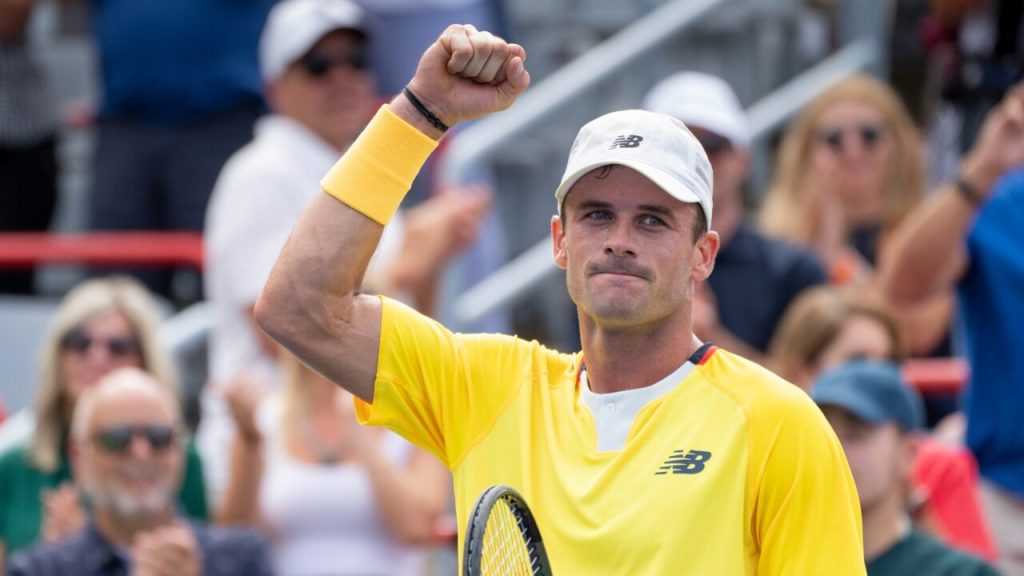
{"x":335,"y":106}
{"x":79,"y":371}
{"x":631,"y":262}
{"x":859,"y":169}
{"x":140,"y":484}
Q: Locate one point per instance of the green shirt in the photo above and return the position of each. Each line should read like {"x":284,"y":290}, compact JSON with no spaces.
{"x":920,"y":554}
{"x":22,"y":485}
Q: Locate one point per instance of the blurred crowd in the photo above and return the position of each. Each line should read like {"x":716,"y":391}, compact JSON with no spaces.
{"x":221,"y":117}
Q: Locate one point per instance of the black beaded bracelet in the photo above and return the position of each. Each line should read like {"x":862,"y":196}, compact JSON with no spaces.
{"x":969,"y":192}
{"x":434,"y":120}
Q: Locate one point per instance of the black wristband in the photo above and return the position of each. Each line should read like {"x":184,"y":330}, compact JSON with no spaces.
{"x":969,"y":192}
{"x":434,"y":120}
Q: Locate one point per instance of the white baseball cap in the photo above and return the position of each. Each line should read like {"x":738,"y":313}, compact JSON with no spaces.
{"x":701,"y":101}
{"x":294,"y":26}
{"x":658,"y":146}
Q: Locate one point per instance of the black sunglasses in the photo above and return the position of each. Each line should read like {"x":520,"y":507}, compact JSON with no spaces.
{"x":79,"y":341}
{"x":870,"y":135}
{"x":318,"y":65}
{"x":713,"y":144}
{"x":117,"y":439}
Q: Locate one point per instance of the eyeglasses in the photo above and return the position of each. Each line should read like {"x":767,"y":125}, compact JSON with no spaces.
{"x":835,"y":138}
{"x":318,"y":65}
{"x":79,"y":341}
{"x":117,"y":439}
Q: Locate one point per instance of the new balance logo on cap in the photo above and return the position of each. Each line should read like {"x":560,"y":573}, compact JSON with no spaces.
{"x":631,"y":141}
{"x":684,"y":462}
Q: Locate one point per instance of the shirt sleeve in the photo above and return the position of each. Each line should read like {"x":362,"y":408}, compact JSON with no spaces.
{"x":807,"y":518}
{"x":438,"y":389}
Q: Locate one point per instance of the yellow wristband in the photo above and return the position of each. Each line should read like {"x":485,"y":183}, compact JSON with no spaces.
{"x":376,"y":172}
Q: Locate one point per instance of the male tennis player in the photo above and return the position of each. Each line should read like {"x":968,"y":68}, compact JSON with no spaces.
{"x":648,"y":453}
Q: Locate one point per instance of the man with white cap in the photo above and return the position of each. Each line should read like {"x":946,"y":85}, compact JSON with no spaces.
{"x":319,"y":83}
{"x":756,"y":277}
{"x":650,"y":452}
{"x":878,"y":419}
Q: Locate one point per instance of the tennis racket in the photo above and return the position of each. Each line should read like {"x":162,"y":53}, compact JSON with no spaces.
{"x":502,"y":538}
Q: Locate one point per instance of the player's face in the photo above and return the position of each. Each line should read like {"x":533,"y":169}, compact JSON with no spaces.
{"x":879,"y":456}
{"x":330,"y":89}
{"x":628,"y":250}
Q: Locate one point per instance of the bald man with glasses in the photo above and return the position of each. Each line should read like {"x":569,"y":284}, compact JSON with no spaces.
{"x":127,"y":454}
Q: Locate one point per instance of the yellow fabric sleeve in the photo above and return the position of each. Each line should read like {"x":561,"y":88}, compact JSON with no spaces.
{"x":376,"y":172}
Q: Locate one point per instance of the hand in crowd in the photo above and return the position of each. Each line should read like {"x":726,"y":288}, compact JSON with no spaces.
{"x":825,"y":213}
{"x":242,"y":397}
{"x":166,"y":551}
{"x":1000,"y":144}
{"x":62,"y":513}
{"x":467,"y":73}
{"x":436,"y":231}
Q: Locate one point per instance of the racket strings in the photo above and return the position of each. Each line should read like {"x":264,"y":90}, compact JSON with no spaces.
{"x":507,"y":546}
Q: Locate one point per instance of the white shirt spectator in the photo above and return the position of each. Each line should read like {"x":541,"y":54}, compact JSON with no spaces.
{"x":257,"y":200}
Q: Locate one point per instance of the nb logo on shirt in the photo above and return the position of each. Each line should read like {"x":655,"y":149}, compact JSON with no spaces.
{"x":684,"y":462}
{"x":631,"y":141}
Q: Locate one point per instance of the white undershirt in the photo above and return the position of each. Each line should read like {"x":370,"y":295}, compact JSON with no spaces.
{"x":614,"y":412}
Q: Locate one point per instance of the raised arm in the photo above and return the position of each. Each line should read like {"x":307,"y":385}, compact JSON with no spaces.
{"x":927,"y":253}
{"x":312,"y":302}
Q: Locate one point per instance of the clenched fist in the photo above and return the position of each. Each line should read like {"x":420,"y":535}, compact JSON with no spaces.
{"x":467,"y":73}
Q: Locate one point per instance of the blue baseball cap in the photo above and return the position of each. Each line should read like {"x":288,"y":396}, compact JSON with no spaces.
{"x":872,"y":391}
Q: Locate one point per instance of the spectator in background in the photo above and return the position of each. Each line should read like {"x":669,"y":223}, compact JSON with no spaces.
{"x":877,"y":416}
{"x":850,"y":167}
{"x":101,"y":325}
{"x":755,"y":277}
{"x":968,"y":237}
{"x":181,"y":90}
{"x":827,"y":327}
{"x":313,"y":57}
{"x":128,"y":457}
{"x":28,"y":139}
{"x":328,"y":491}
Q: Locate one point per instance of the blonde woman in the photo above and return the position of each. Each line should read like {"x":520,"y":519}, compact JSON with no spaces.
{"x":849,"y":169}
{"x":100,"y":325}
{"x":332,"y":497}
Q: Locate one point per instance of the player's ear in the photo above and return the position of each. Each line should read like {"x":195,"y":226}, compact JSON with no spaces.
{"x":558,"y":240}
{"x":704,"y":254}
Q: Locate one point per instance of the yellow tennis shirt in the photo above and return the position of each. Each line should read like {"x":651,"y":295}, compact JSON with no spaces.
{"x":733,"y":471}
